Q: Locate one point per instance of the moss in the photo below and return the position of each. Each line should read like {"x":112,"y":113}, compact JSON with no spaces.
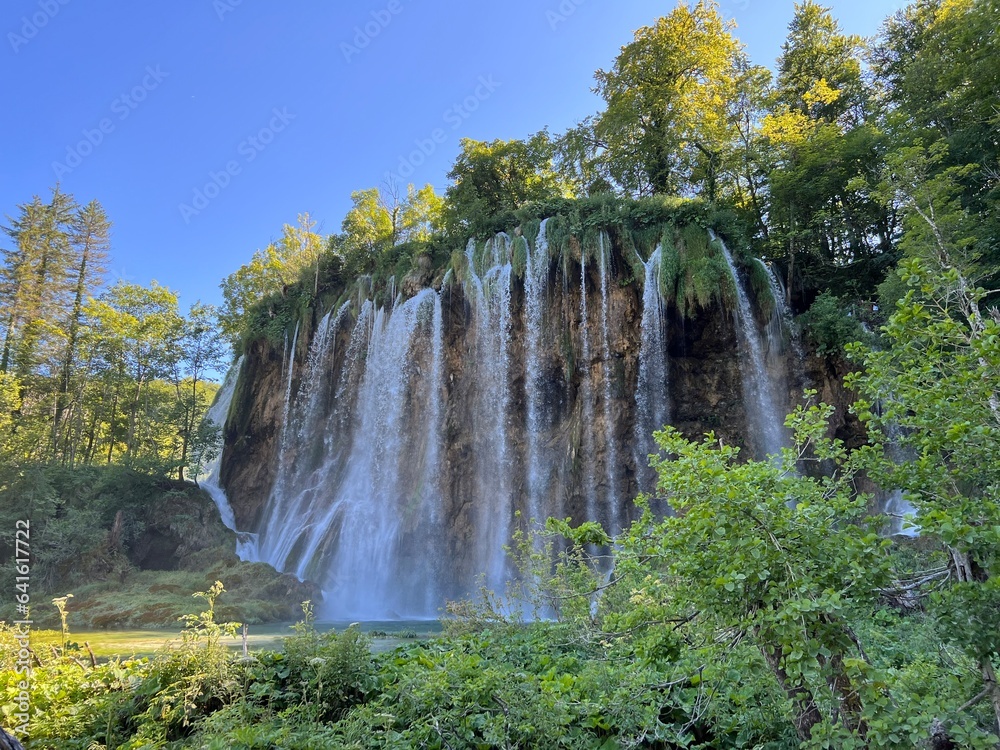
{"x":531,"y":228}
{"x":670,"y":265}
{"x":703,"y":276}
{"x":760,"y":283}
{"x":519,"y":256}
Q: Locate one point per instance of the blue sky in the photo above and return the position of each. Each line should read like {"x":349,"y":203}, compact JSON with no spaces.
{"x":202,"y":126}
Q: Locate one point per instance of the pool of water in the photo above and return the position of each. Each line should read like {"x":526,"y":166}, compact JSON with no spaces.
{"x":386,"y":636}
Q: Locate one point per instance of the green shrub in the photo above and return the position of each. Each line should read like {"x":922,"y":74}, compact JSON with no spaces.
{"x":829,"y":325}
{"x":322,"y":674}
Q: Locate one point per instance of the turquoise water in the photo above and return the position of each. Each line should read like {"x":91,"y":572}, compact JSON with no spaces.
{"x":388,"y":635}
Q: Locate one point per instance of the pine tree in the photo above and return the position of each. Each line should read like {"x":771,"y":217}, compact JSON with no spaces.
{"x":90,"y":242}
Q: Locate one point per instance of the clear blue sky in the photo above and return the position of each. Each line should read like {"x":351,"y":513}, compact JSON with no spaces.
{"x":177,"y":91}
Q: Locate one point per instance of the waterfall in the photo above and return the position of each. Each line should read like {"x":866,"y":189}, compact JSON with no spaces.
{"x":900,"y":512}
{"x":351,"y":511}
{"x":610,"y":440}
{"x":652,"y":391}
{"x":290,"y":371}
{"x":411,"y":432}
{"x":208,"y":480}
{"x":489,"y":289}
{"x":765,"y":420}
{"x":588,"y":459}
{"x":535,"y":288}
{"x":781,"y":326}
{"x":289,"y":508}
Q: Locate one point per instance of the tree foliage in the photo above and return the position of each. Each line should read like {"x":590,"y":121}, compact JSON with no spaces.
{"x":90,"y":376}
{"x":496,"y":178}
{"x":668,"y":122}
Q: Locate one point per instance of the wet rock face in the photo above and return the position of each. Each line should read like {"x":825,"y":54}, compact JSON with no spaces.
{"x":251,"y":436}
{"x":583,"y":380}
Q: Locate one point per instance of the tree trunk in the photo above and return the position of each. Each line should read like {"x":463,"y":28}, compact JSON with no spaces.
{"x":807,"y":713}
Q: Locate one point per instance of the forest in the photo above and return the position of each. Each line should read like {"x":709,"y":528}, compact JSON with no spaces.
{"x":767,"y":609}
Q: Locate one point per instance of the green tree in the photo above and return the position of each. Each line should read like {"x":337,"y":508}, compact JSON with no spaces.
{"x":764,"y":554}
{"x":246,"y":287}
{"x":667,"y":125}
{"x":815,"y":50}
{"x":34,"y":281}
{"x":936,"y":63}
{"x":368,"y":229}
{"x":933,"y":390}
{"x":137,"y":331}
{"x":202,"y":351}
{"x":90,"y":242}
{"x":10,"y":404}
{"x":493,"y":178}
{"x":301,"y":249}
{"x":422,"y":214}
{"x":824,"y":217}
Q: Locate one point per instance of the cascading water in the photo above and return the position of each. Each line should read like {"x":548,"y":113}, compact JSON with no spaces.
{"x":344,"y":511}
{"x":652,"y":394}
{"x":208,"y":480}
{"x":489,"y":289}
{"x":587,"y":398}
{"x":610,"y":439}
{"x":781,"y":327}
{"x":765,"y":419}
{"x":413,"y":430}
{"x":535,"y":288}
{"x":895,"y":506}
{"x":290,"y":373}
{"x":291,"y":508}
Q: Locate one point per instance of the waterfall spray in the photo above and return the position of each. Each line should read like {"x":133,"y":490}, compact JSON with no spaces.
{"x":535,"y":289}
{"x":652,"y":392}
{"x":764,"y":416}
{"x":610,"y":439}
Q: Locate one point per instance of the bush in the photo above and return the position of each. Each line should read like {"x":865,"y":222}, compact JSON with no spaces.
{"x":322,"y":674}
{"x":830,"y":325}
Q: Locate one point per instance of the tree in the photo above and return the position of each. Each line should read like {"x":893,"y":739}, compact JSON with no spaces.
{"x":300,"y":250}
{"x":823,"y":213}
{"x":34,"y":281}
{"x":933,"y":389}
{"x":762,"y":553}
{"x":490,"y":179}
{"x":202,"y":351}
{"x":90,"y":242}
{"x":667,"y":125}
{"x":246,"y":287}
{"x":136,"y":332}
{"x":10,"y":404}
{"x":422,"y":214}
{"x":368,"y":228}
{"x":816,"y":50}
{"x":936,"y":62}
